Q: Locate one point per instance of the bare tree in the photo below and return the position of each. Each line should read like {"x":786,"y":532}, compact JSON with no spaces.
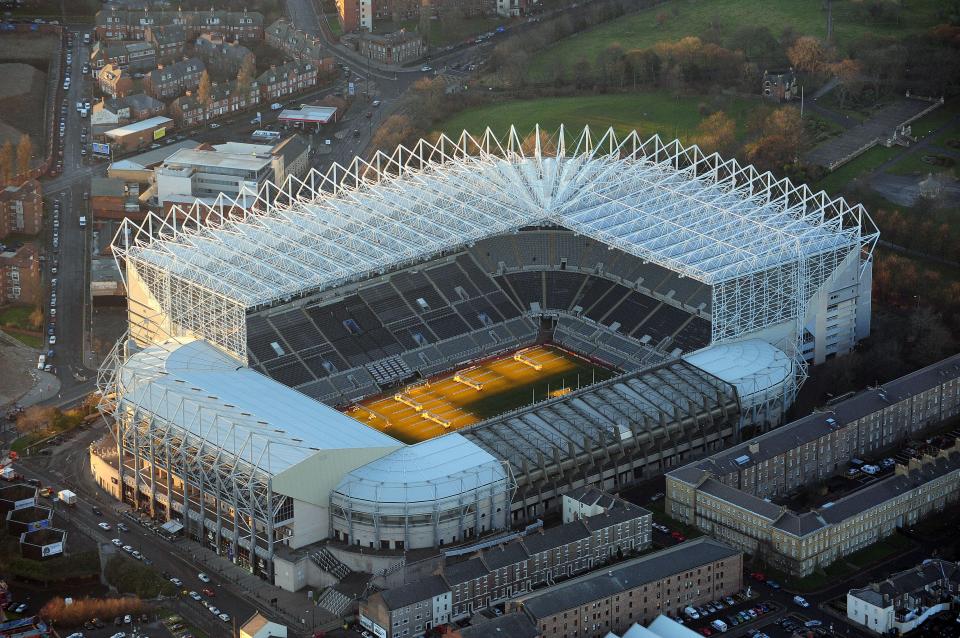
{"x":24,"y":154}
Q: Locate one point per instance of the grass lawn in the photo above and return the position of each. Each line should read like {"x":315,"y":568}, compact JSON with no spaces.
{"x":16,"y":316}
{"x":334,"y":23}
{"x":834,"y":182}
{"x":880,"y":550}
{"x":31,"y":341}
{"x":692,"y":17}
{"x":25,"y":441}
{"x":937,"y":118}
{"x":913,"y":164}
{"x":517,"y":397}
{"x":654,"y":112}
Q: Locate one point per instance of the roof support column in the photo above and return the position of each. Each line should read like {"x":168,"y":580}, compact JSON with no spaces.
{"x":166,"y":456}
{"x":153,"y":476}
{"x":269,"y":531}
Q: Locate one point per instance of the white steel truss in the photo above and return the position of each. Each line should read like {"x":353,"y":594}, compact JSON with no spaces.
{"x":763,"y":243}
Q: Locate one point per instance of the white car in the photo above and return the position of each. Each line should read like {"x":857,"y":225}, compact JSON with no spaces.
{"x":104,"y":526}
{"x":136,"y":555}
{"x":426,"y":67}
{"x":224,"y":617}
{"x":52,"y":340}
{"x":213,"y":610}
{"x":203,"y":577}
{"x":177,"y":582}
{"x":117,"y":542}
{"x":197,"y":597}
{"x":376,"y":103}
{"x":128,"y":549}
{"x":800,"y":600}
{"x":127,"y":619}
{"x":214,"y":125}
{"x":276,"y":106}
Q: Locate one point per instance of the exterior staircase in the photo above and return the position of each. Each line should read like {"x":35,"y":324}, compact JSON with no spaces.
{"x":334,"y":601}
{"x":328,"y":562}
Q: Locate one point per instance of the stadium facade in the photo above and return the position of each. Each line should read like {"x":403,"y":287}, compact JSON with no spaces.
{"x":706,"y":284}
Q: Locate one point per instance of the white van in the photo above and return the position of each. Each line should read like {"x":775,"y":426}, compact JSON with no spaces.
{"x":691,"y":613}
{"x":718,"y":625}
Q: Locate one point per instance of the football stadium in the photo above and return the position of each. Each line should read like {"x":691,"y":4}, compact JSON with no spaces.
{"x":421,"y":349}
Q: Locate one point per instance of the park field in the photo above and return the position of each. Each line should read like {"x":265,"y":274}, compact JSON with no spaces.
{"x":650,"y":112}
{"x":458,"y":399}
{"x":694,"y":17}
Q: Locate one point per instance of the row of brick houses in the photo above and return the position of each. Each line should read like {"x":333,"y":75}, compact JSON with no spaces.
{"x":606,"y":527}
{"x":225,"y":98}
{"x":392,"y":48}
{"x":292,"y":77}
{"x":115,"y":23}
{"x":296,"y":43}
{"x":173,"y":80}
{"x":169,"y":41}
{"x":223,"y":57}
{"x":135,"y":56}
{"x":729,"y":494}
{"x":637,"y":591}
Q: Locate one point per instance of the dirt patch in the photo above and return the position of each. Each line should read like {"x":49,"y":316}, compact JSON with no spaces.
{"x":24,"y":62}
{"x":19,"y":364}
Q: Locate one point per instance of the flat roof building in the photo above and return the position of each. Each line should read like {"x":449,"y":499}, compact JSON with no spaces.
{"x":206,"y":173}
{"x":139,"y":134}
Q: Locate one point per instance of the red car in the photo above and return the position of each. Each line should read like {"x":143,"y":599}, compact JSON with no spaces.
{"x":758,"y":576}
{"x":209,"y":593}
{"x":705,"y":631}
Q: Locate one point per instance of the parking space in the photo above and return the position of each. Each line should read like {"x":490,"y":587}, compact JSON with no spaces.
{"x":791,"y":624}
{"x":728,"y":614}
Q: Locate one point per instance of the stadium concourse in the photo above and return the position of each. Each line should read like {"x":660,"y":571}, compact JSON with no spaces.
{"x":698,"y":286}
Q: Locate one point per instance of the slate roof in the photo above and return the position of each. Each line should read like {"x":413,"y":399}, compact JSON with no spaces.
{"x":410,"y":593}
{"x":556,"y":537}
{"x":625,"y":576}
{"x":464,"y":571}
{"x":515,"y":625}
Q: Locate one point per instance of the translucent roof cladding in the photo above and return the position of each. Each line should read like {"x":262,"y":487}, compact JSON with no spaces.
{"x":444,"y":467}
{"x":202,"y":391}
{"x":753,"y":366}
{"x":710,"y":219}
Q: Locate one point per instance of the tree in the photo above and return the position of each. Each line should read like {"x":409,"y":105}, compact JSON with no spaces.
{"x":7,"y":159}
{"x":717,"y":134}
{"x":611,"y":63}
{"x":849,"y":73}
{"x":203,"y":91}
{"x":36,"y":319}
{"x":394,"y":131}
{"x":24,"y":154}
{"x":931,"y":337}
{"x":547,"y":146}
{"x":245,"y":75}
{"x":35,"y":418}
{"x":581,"y":72}
{"x":807,"y":54}
{"x":778,"y":144}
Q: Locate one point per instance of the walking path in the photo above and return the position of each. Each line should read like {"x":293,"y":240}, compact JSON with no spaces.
{"x":883,"y":124}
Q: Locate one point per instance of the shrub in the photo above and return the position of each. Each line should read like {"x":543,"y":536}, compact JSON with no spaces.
{"x":84,"y":609}
{"x":133,"y":578}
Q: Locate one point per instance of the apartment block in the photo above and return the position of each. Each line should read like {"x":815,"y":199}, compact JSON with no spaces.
{"x":729,"y":494}
{"x":392,"y":48}
{"x":635,"y":591}
{"x":355,"y":15}
{"x":492,"y":575}
{"x":20,"y":275}
{"x":21,"y":209}
{"x":296,"y":43}
{"x":173,"y":80}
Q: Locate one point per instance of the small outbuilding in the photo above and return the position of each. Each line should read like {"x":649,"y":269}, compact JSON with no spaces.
{"x":43,"y":543}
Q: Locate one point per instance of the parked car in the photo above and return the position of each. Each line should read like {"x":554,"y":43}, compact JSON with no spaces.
{"x":104,"y":526}
{"x":276,"y":106}
{"x":117,"y":542}
{"x":758,"y":576}
{"x":800,"y":600}
{"x":773,"y":584}
{"x":177,"y":582}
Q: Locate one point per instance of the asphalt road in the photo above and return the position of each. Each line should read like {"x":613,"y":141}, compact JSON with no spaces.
{"x":68,"y":188}
{"x":69,"y":466}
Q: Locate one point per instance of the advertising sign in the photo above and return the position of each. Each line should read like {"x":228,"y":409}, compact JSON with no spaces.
{"x":100,"y":149}
{"x":24,"y":502}
{"x":377,"y":630}
{"x":41,"y":524}
{"x":159,"y":133}
{"x":52,"y":549}
{"x":351,"y":89}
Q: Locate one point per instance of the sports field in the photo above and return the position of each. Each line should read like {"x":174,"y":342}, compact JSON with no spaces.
{"x":457,"y":399}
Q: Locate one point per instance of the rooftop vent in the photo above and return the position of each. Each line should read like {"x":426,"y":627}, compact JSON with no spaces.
{"x":742,"y":460}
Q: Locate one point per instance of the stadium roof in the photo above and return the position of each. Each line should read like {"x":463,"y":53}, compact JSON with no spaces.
{"x":707,"y":218}
{"x":199,"y":389}
{"x":435,"y":469}
{"x":753,"y":365}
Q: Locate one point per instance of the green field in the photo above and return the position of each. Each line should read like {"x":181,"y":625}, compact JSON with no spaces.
{"x":652,"y":112}
{"x":443,"y":33}
{"x":869,"y":161}
{"x":584,"y":373}
{"x":694,"y":17}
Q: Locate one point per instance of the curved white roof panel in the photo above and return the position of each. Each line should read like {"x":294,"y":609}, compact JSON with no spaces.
{"x":753,"y":366}
{"x":433,"y":470}
{"x":199,"y":389}
{"x":707,"y":218}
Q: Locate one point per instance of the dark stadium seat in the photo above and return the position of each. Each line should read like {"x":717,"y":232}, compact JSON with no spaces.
{"x":630,"y":312}
{"x":480,"y":279}
{"x":527,"y":286}
{"x":561,"y":288}
{"x":288,"y":371}
{"x":662,"y":323}
{"x":593,"y":289}
{"x":694,"y":335}
{"x":447,"y":278}
{"x":384,"y":300}
{"x":448,"y":326}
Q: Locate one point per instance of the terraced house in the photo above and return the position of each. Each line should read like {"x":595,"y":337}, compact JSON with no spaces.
{"x":169,"y":81}
{"x":298,"y":44}
{"x":170,"y":41}
{"x":287,"y":79}
{"x":729,"y":495}
{"x":117,"y":23}
{"x":597,"y":528}
{"x":225,"y":98}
